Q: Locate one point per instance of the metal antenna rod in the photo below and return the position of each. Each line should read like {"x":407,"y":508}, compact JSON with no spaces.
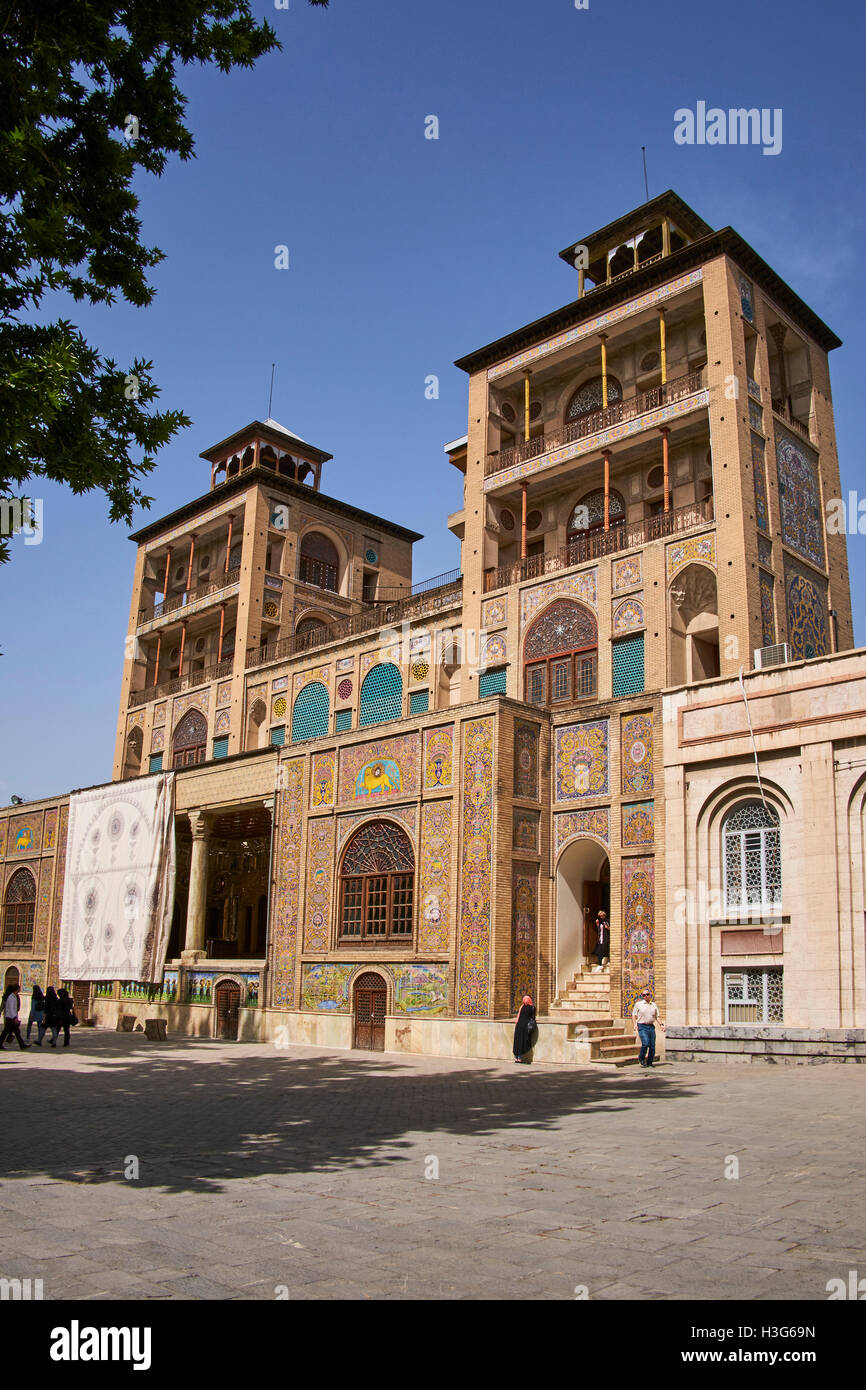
{"x":271,"y":396}
{"x":645,"y":184}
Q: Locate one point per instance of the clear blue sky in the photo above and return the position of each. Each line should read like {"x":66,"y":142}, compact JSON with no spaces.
{"x":406,"y":253}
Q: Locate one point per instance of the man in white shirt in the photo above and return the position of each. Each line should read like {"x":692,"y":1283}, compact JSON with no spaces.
{"x":645,"y":1015}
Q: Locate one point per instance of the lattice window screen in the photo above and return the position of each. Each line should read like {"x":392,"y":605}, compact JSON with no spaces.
{"x":381,"y":695}
{"x":628,"y":666}
{"x":310,"y":713}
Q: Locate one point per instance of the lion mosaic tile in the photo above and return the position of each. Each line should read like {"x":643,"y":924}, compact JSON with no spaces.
{"x":638,"y":823}
{"x":594,"y":822}
{"x":380,"y":769}
{"x":636,"y":744}
{"x":434,"y":917}
{"x":582,"y":586}
{"x":638,"y":929}
{"x":438,"y":757}
{"x":799,"y":498}
{"x":627,"y":573}
{"x":284,"y":931}
{"x":323,"y":780}
{"x":524,"y":932}
{"x":319,"y":883}
{"x":476,"y":875}
{"x":682,"y":553}
{"x":629,"y":615}
{"x":581,"y":760}
{"x":25,"y":833}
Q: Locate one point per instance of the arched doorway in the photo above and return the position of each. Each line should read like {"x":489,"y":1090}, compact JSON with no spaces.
{"x":190,"y":739}
{"x":582,"y":888}
{"x":694,"y":626}
{"x":227,"y":998}
{"x":371,"y":1002}
{"x":12,"y":978}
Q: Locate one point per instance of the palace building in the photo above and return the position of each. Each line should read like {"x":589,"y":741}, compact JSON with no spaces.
{"x":355,"y":810}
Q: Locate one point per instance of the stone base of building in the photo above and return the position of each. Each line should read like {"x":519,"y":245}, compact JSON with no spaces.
{"x":744,"y":1044}
{"x":559,"y":1043}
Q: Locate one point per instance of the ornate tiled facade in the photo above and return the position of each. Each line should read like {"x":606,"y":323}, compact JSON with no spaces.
{"x":284,"y":927}
{"x":381,"y":769}
{"x":765,"y":552}
{"x":576,"y":825}
{"x":319,"y":882}
{"x":637,"y":754}
{"x":638,"y":929}
{"x":629,"y":615}
{"x":746,"y":301}
{"x":473,"y":948}
{"x":325,"y":986}
{"x":524,"y":932}
{"x":434,"y":916}
{"x":768,"y":615}
{"x":495,"y":651}
{"x":420,"y":990}
{"x":323,"y":780}
{"x":799,"y":498}
{"x":638,"y":824}
{"x":525,"y":829}
{"x":526,"y":759}
{"x":407,"y":816}
{"x":581,"y":760}
{"x":321,"y":673}
{"x":582,"y":586}
{"x":438,"y":757}
{"x":806,"y":608}
{"x":682,"y":553}
{"x":494,"y":612}
{"x":223,"y":721}
{"x":762,"y":511}
{"x":626,"y":573}
{"x":197,"y":700}
{"x":157,"y":740}
{"x":224,"y":695}
{"x":160,"y":711}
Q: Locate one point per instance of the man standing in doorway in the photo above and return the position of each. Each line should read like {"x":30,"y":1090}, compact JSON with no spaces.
{"x":602,"y":946}
{"x":645,"y":1015}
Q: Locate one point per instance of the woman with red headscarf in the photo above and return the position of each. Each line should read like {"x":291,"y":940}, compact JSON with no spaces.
{"x":523,"y":1027}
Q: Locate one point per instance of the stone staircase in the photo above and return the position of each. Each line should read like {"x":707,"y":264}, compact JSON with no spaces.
{"x":584,"y":1005}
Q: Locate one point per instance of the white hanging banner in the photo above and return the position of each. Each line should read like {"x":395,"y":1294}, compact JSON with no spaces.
{"x":118,"y":895}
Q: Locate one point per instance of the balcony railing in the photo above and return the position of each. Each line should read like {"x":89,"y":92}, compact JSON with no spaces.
{"x":781,"y":409}
{"x":615,"y":414}
{"x":171,"y":605}
{"x":597,"y":544}
{"x":418,"y":605}
{"x":190,"y":681}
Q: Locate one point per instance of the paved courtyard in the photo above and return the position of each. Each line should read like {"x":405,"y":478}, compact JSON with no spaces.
{"x":315,"y":1172}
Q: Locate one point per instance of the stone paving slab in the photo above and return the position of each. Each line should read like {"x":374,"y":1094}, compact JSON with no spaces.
{"x":260,"y":1167}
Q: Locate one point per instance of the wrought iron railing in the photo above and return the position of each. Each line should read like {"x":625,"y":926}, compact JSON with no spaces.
{"x":597,"y":544}
{"x":171,"y":605}
{"x":190,"y":681}
{"x":781,"y":409}
{"x":628,"y":409}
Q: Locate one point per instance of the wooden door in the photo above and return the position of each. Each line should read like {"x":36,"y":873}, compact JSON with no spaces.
{"x":591,"y":904}
{"x":370,"y":1004}
{"x":228,"y":1003}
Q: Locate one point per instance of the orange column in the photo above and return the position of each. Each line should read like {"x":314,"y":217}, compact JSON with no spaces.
{"x":182,"y":645}
{"x":229,"y":545}
{"x":524,"y":489}
{"x":603,"y":338}
{"x":167,"y":574}
{"x":663,"y":352}
{"x":222,"y":625}
{"x":156,"y":667}
{"x":665,"y":433}
{"x":191,"y":554}
{"x":606,"y":457}
{"x":526,"y":406}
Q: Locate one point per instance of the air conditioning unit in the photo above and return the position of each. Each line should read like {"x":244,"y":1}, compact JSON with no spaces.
{"x":777,"y":655}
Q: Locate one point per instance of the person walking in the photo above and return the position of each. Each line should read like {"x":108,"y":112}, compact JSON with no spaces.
{"x":67,"y":1014}
{"x":523,"y":1026}
{"x":51,"y":1022}
{"x":37,"y":1012}
{"x":11,"y":1007}
{"x":645,"y":1015}
{"x":602,"y":946}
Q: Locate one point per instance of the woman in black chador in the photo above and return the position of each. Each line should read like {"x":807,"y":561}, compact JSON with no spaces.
{"x":523,"y":1028}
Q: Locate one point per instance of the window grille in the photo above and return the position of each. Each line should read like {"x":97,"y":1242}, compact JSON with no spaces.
{"x":310,"y":712}
{"x":20,"y":911}
{"x":754,"y":996}
{"x":220,"y":747}
{"x":752,"y":857}
{"x":628,"y":666}
{"x":155,"y":762}
{"x":377,"y":884}
{"x":493,"y":682}
{"x":381,"y":695}
{"x":342,"y":721}
{"x":419,"y":701}
{"x":278,"y":736}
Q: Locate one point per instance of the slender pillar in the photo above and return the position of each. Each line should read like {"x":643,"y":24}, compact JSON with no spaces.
{"x":636,"y":261}
{"x":581,"y":283}
{"x":196,"y":909}
{"x":229,"y":545}
{"x":222,"y":627}
{"x":606,"y":457}
{"x":665,"y":463}
{"x":524,"y":488}
{"x":666,"y":237}
{"x":189,"y":567}
{"x":165,"y":582}
{"x":526,"y":406}
{"x":182,"y":645}
{"x":156,"y":667}
{"x":663,"y":346}
{"x":603,"y":337}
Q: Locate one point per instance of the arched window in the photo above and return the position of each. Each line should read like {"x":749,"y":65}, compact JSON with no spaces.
{"x":381,"y":695}
{"x":310,"y":632}
{"x":589,"y":398}
{"x":752,"y":857}
{"x":560,"y":654}
{"x":189,"y":744}
{"x":20,"y":909}
{"x":134,"y":745}
{"x":588,"y":515}
{"x":320,"y":562}
{"x":310,"y":712}
{"x":377,"y":884}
